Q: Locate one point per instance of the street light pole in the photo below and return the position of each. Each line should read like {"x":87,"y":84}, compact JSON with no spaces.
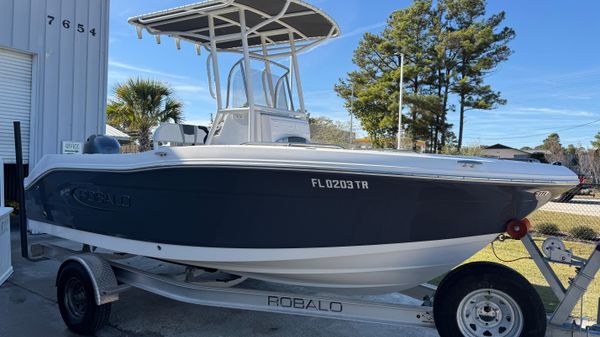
{"x":400,"y":129}
{"x":352,"y":117}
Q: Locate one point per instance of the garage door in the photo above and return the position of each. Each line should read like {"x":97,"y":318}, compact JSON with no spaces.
{"x":15,"y":101}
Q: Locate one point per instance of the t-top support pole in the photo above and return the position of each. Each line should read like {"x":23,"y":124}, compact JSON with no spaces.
{"x":297,"y":71}
{"x":252,"y":130}
{"x":215,"y":58}
{"x":263,"y":41}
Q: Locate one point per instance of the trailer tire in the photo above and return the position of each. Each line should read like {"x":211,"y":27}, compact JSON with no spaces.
{"x":488,"y":299}
{"x":76,"y":300}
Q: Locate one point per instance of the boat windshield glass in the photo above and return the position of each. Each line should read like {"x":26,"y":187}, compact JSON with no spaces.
{"x":237,"y":97}
{"x":270,"y":84}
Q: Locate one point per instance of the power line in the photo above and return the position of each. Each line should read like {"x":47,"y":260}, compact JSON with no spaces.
{"x":546,"y":133}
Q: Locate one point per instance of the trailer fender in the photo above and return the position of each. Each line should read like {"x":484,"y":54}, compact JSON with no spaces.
{"x":101,"y":273}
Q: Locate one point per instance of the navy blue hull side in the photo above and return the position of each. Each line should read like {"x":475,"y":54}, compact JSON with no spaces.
{"x":264,"y":208}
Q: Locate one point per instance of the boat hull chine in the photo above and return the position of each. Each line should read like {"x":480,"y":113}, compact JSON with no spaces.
{"x":364,"y":269}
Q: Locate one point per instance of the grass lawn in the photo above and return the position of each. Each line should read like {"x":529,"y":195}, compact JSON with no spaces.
{"x":511,"y":249}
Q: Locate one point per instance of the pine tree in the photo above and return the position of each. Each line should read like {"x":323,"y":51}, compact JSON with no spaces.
{"x":449,"y":48}
{"x":596,"y":142}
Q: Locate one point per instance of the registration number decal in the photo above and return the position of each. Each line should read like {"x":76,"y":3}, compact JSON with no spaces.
{"x":336,"y":184}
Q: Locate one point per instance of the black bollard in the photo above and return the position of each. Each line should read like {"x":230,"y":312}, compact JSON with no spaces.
{"x":21,"y":189}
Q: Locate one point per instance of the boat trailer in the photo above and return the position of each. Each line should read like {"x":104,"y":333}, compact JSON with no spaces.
{"x":108,"y":275}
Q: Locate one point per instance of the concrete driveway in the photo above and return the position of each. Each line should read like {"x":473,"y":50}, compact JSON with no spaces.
{"x":28,"y":308}
{"x":589,"y":207}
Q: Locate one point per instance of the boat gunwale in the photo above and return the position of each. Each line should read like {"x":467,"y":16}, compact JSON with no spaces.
{"x":533,"y":182}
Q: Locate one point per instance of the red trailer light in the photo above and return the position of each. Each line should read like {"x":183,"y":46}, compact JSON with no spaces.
{"x":517,"y":229}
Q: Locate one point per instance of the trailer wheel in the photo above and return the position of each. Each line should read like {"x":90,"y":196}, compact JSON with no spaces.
{"x":75,"y":295}
{"x":485,"y":299}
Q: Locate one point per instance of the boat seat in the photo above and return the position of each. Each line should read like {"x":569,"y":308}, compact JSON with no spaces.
{"x":168,"y":134}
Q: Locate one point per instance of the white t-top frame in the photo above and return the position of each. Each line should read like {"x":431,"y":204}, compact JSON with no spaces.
{"x":224,"y":25}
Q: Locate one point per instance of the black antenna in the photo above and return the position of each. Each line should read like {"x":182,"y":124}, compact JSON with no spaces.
{"x":21,"y":190}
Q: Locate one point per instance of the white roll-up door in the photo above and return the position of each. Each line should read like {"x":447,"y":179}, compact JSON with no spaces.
{"x":15,"y":101}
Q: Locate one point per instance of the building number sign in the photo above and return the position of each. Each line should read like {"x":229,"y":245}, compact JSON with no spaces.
{"x":67,"y":24}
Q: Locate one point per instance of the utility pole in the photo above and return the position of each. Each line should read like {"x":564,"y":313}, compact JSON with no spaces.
{"x":352,"y":117}
{"x":400,"y":129}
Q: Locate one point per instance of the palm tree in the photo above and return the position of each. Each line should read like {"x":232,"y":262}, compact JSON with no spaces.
{"x":139,"y":105}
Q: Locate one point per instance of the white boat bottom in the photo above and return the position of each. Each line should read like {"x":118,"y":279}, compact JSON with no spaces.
{"x":366,"y":269}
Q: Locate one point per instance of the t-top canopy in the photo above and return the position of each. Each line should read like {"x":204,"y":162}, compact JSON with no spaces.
{"x":268,"y":23}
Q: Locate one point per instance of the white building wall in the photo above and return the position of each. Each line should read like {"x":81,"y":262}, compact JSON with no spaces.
{"x":69,"y":75}
{"x":504,"y":153}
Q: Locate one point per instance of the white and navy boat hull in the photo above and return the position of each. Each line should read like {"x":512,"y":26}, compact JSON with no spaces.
{"x":367,"y":220}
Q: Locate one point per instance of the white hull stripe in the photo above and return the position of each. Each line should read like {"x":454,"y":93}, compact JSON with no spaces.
{"x":209,"y":254}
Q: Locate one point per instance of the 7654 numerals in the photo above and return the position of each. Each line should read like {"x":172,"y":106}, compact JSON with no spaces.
{"x":67,"y":24}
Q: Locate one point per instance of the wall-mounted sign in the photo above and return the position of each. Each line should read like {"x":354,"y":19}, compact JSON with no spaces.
{"x":72,"y":148}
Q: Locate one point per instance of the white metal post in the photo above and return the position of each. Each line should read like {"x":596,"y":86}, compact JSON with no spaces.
{"x":263,"y":41}
{"x":291,"y":74}
{"x":297,"y":72}
{"x":352,"y":116}
{"x":401,"y":84}
{"x":249,"y":88}
{"x":215,"y":58}
{"x":217,"y":79}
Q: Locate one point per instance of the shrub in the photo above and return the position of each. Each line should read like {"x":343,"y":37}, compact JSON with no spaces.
{"x":583,"y":233}
{"x":14,"y":205}
{"x":548,"y":229}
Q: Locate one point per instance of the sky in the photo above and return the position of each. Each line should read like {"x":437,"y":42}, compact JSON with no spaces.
{"x":551,"y":82}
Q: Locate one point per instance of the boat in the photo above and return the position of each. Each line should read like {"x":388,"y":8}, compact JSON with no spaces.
{"x":255,"y":198}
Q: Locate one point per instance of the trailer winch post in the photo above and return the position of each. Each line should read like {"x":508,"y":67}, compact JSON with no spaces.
{"x":21,"y":190}
{"x":577,"y":288}
{"x":560,"y":322}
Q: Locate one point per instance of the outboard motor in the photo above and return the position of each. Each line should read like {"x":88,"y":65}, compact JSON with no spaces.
{"x":100,"y":144}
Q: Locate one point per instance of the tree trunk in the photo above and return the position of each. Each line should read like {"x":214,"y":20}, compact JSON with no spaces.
{"x":462,"y":121}
{"x":436,"y":136}
{"x":144,"y":139}
{"x":445,"y":108}
{"x":433,"y":140}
